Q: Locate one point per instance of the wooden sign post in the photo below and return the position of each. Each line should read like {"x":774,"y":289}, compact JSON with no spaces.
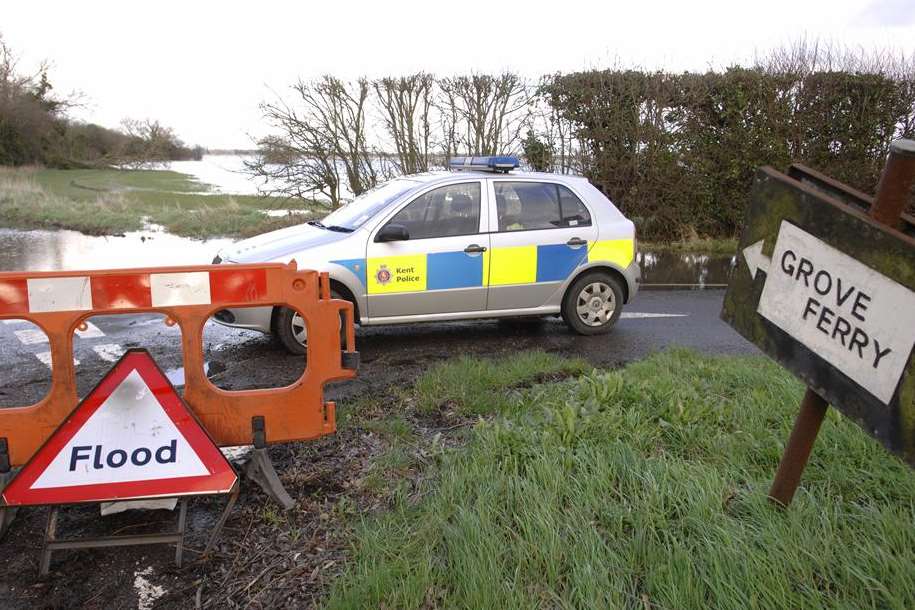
{"x":829,"y":292}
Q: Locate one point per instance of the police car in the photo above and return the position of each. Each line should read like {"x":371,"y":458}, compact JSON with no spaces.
{"x":480,"y":241}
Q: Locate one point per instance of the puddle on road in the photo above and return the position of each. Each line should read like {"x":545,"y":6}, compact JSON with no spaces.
{"x":67,"y":250}
{"x":176,"y":375}
{"x":679,"y":270}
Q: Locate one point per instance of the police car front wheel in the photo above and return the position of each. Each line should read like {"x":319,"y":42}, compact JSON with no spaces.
{"x":290,"y":331}
{"x":593,"y":303}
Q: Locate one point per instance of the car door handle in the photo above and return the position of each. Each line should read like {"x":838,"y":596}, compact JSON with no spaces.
{"x":576,"y":241}
{"x":474,"y":249}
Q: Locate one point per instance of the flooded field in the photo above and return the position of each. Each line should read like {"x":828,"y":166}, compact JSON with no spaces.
{"x":224,"y":173}
{"x":676,"y":270}
{"x":63,"y":250}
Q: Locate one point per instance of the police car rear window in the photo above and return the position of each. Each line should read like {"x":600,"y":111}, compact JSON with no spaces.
{"x":525,"y":206}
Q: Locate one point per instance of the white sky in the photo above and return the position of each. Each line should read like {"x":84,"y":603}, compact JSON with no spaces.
{"x":202,"y":67}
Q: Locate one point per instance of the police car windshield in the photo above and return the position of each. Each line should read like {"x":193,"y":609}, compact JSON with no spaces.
{"x":355,"y":214}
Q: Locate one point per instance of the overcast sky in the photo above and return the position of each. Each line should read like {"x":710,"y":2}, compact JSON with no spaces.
{"x":203,"y":67}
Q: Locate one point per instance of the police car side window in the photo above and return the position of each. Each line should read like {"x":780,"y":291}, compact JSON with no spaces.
{"x":443,"y":212}
{"x":573,"y":211}
{"x":525,"y":206}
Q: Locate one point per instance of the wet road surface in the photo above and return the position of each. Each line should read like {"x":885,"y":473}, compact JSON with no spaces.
{"x":390,"y":355}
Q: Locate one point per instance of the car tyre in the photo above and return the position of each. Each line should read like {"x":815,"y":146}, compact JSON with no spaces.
{"x":290,"y":332}
{"x":593,"y":303}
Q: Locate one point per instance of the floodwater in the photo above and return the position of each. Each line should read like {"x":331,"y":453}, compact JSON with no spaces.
{"x":691,"y":271}
{"x":70,"y":250}
{"x":224,"y":173}
{"x":227,"y":174}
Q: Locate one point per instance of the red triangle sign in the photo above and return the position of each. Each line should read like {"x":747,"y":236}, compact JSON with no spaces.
{"x":132,"y":437}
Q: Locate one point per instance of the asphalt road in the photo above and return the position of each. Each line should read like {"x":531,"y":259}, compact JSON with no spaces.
{"x":390,"y":355}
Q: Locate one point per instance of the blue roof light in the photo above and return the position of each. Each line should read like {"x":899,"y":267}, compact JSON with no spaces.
{"x":503,"y":163}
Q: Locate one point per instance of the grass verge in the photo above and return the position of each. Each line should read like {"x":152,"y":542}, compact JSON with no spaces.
{"x":474,"y":386}
{"x":110,"y":201}
{"x":639,"y":488}
{"x":692,"y":246}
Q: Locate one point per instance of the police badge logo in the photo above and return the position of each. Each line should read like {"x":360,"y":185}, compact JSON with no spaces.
{"x":383,"y":276}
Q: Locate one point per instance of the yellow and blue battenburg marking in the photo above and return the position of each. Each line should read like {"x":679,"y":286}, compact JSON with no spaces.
{"x":505,"y":266}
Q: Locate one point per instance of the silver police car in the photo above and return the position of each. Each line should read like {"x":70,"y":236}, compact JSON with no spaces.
{"x":483,"y":242}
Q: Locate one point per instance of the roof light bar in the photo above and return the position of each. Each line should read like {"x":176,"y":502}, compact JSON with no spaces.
{"x":503,"y":164}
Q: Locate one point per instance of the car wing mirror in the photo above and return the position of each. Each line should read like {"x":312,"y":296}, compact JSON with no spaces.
{"x":392,"y":232}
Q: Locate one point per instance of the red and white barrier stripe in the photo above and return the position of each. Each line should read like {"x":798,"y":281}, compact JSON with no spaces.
{"x":131,"y":290}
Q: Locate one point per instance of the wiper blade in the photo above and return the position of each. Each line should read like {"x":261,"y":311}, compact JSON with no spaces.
{"x":316,"y":223}
{"x":339,"y":229}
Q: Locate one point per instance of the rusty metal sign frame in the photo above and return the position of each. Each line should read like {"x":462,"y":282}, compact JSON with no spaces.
{"x":826,"y":208}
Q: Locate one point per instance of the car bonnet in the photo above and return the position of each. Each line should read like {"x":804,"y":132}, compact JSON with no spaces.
{"x":281,"y":244}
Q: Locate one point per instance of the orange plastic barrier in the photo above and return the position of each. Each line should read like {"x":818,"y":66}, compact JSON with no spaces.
{"x":60,"y":302}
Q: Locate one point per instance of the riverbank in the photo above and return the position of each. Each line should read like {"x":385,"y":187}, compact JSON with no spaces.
{"x":113,"y":202}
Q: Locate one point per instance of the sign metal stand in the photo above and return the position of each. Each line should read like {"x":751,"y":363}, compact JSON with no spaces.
{"x":53,"y":543}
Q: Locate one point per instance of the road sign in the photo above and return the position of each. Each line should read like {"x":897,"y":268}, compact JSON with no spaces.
{"x":132,"y":437}
{"x":830,"y":294}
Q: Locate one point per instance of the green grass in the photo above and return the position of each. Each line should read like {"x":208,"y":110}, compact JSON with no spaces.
{"x":693,"y":246}
{"x":87,"y":183}
{"x":473,"y":386}
{"x":641,"y":488}
{"x":110,"y":201}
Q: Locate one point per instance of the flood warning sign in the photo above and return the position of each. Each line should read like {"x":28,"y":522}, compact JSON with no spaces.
{"x":131,"y":438}
{"x":857,"y":319}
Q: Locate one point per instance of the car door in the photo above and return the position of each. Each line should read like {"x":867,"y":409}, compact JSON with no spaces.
{"x":541,"y":234}
{"x":441,"y":267}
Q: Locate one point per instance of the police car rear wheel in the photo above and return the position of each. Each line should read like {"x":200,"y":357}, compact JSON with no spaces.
{"x":290,"y":331}
{"x":593,"y":303}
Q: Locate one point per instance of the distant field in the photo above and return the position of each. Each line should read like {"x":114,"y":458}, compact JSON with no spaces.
{"x":110,"y":201}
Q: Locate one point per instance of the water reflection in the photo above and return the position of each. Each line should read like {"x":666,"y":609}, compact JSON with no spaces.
{"x":65,"y":250}
{"x":679,"y":270}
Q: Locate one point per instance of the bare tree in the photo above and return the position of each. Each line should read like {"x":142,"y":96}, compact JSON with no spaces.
{"x":556,"y":131}
{"x":340,"y":110}
{"x":489,"y":110}
{"x":299,"y":162}
{"x":450,"y":121}
{"x":323,"y":136}
{"x":148,"y":143}
{"x":406,"y":104}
